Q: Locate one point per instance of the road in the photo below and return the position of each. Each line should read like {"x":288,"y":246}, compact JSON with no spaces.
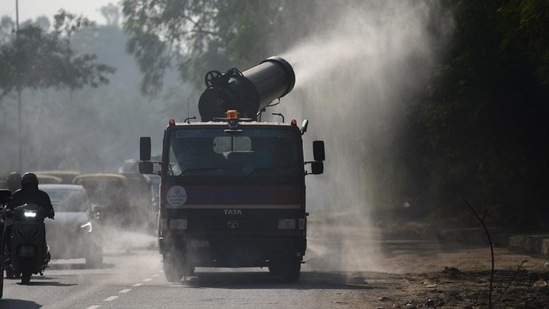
{"x":136,"y":280}
{"x":133,"y":278}
{"x":336,"y":275}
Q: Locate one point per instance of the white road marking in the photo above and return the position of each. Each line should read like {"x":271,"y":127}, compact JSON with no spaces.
{"x":148,"y":279}
{"x":110,"y":298}
{"x":156,"y":275}
{"x":93,"y":307}
{"x":138,"y":284}
{"x":125,"y":291}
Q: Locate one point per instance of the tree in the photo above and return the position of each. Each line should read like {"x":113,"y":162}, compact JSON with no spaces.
{"x":484,"y":115}
{"x":197,"y":36}
{"x":36,"y":59}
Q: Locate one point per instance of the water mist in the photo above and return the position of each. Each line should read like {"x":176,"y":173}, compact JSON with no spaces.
{"x":353,"y":83}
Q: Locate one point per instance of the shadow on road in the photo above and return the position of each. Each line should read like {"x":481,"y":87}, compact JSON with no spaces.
{"x":264,"y":280}
{"x":45,"y":283}
{"x":17,"y":303}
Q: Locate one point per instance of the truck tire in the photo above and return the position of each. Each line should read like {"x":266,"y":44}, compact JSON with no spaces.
{"x":172,"y":270}
{"x":177,"y":266}
{"x":286,"y":269}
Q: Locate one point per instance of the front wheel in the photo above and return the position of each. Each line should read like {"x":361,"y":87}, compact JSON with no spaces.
{"x":287,"y":269}
{"x":94,"y":257}
{"x":176,"y":266}
{"x":25,"y":277}
{"x":172,"y":269}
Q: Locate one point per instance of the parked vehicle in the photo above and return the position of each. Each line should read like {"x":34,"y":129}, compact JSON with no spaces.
{"x":76,"y":232}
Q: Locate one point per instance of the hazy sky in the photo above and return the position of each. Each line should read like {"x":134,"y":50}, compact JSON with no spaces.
{"x":30,"y":9}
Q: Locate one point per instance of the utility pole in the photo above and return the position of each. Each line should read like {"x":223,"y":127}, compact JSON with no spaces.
{"x":19,"y":114}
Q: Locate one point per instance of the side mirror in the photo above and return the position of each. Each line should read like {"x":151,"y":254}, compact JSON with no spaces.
{"x":317,"y":167}
{"x":304,"y":126}
{"x":145,"y":167}
{"x":318,"y":151}
{"x":145,"y":148}
{"x":5,"y":196}
{"x":96,"y":212}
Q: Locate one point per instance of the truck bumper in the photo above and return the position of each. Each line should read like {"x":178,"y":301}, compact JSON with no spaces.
{"x":234,"y":252}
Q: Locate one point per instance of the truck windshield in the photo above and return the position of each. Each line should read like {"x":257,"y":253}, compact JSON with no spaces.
{"x":249,"y":153}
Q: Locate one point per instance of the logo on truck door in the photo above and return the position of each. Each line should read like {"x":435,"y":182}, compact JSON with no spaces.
{"x":233,"y":211}
{"x":176,"y":196}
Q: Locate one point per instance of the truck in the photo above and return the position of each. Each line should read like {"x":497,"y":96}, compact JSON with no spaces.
{"x":232,"y":187}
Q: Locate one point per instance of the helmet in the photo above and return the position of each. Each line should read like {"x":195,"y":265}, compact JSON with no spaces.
{"x":13,"y":181}
{"x":14,"y":177}
{"x":29,"y":179}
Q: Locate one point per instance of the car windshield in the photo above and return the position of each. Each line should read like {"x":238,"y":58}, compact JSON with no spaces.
{"x":68,"y":200}
{"x":250,"y":153}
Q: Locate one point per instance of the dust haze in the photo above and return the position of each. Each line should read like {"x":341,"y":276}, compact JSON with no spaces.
{"x":354,"y":82}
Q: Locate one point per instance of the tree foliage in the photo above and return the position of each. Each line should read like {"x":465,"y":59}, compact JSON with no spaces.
{"x":198,"y":36}
{"x":485,"y":110}
{"x":37,"y":59}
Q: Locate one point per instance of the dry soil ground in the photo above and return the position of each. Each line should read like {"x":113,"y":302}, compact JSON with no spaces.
{"x":418,"y":274}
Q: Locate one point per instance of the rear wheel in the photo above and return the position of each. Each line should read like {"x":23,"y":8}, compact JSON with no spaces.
{"x":25,"y":277}
{"x":25,"y":269}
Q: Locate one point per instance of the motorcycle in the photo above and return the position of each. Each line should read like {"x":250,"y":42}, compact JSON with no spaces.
{"x":28,"y":251}
{"x":5,"y":196}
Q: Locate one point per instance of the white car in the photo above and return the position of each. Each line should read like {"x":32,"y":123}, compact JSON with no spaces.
{"x":74,"y":233}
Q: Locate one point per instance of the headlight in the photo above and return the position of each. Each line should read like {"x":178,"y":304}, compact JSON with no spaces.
{"x":178,"y":224}
{"x":29,"y":214}
{"x":286,"y":224}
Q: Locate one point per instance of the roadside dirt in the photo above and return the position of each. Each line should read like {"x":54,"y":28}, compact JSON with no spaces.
{"x":425,"y":274}
{"x":461,"y":279}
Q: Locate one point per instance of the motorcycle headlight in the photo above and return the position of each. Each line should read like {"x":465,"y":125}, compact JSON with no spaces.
{"x":29,"y":214}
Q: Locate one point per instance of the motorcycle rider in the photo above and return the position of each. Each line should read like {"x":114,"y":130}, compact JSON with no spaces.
{"x":29,"y":194}
{"x":13,"y":181}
